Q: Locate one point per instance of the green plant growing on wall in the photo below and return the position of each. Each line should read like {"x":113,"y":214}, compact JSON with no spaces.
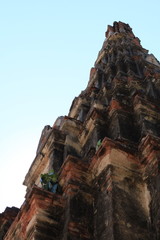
{"x":98,"y":144}
{"x":49,"y":181}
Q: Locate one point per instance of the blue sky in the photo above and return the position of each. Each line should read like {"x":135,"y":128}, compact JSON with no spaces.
{"x":46,"y":51}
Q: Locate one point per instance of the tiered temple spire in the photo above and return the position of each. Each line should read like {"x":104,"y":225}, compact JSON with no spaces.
{"x":106,"y":153}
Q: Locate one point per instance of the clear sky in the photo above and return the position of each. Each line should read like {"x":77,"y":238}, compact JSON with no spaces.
{"x":47,"y":48}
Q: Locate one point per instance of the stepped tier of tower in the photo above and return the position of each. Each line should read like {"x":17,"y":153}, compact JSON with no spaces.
{"x":106,"y":153}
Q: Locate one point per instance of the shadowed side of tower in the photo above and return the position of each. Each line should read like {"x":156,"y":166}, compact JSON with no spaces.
{"x":105,"y":152}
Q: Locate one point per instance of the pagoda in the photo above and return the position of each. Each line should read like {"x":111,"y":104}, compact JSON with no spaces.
{"x":106,"y":154}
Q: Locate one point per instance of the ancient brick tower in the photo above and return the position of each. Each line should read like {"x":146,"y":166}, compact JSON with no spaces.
{"x":106,"y":152}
